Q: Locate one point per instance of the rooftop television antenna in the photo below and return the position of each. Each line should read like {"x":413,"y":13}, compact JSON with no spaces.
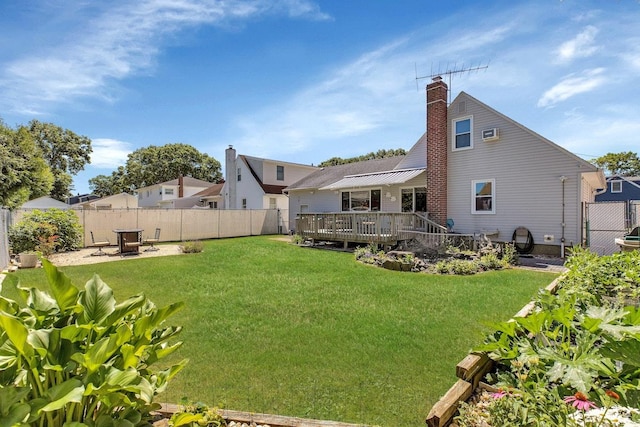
{"x":449,"y":71}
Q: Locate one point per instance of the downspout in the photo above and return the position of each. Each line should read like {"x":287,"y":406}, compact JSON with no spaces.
{"x":562,"y":239}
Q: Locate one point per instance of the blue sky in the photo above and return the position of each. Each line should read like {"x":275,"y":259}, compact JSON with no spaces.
{"x":303,"y":81}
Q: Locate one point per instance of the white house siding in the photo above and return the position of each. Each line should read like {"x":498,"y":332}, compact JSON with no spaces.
{"x":526,"y":169}
{"x":292,"y":172}
{"x":416,"y":157}
{"x":282,"y":201}
{"x":267,"y":171}
{"x":248,"y":188}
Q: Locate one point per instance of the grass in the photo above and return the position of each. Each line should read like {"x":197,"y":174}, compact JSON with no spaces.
{"x":275,"y":328}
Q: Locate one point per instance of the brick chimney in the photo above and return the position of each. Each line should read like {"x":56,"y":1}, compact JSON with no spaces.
{"x":437,"y":150}
{"x":180,"y":186}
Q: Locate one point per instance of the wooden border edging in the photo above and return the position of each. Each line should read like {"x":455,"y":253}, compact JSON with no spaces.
{"x":271,"y":420}
{"x":470,"y":372}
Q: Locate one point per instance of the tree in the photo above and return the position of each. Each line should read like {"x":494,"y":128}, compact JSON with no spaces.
{"x":625,"y":163}
{"x":380,"y":154}
{"x":155,"y":164}
{"x":65,"y":152}
{"x":103,"y":185}
{"x":24,"y":174}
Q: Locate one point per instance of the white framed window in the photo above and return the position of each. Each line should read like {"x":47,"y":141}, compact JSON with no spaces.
{"x":413,"y":199}
{"x":616,"y":186}
{"x":483,"y":196}
{"x":462,"y":138}
{"x":168,"y":191}
{"x":244,"y":203}
{"x":361,"y":200}
{"x":280,"y":173}
{"x":272,"y":203}
{"x":239,"y":174}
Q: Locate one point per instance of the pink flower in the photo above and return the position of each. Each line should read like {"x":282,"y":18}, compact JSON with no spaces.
{"x":499,"y":394}
{"x":580,"y":401}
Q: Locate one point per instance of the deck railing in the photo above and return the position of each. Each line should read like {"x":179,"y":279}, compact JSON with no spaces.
{"x":367,"y":227}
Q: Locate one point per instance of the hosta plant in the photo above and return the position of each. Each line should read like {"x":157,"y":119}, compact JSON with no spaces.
{"x":77,"y":358}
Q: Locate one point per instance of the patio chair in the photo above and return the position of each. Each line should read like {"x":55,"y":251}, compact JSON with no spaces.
{"x":153,"y":240}
{"x":100,"y":244}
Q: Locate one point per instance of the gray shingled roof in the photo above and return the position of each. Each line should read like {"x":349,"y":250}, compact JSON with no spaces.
{"x":332,"y":174}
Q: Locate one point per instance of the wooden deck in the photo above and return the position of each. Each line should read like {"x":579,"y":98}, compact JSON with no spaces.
{"x":382,"y":228}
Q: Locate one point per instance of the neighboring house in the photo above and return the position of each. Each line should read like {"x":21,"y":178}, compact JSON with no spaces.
{"x":255,"y":183}
{"x":209,"y":198}
{"x":620,"y":188}
{"x":44,"y":202}
{"x":475,"y":170}
{"x":81,"y":198}
{"x":164,"y":193}
{"x":117,"y":201}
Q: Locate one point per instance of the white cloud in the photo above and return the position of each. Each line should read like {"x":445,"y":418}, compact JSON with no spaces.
{"x":581,"y":46}
{"x":109,"y":153}
{"x":571,"y":86}
{"x":121,"y":42}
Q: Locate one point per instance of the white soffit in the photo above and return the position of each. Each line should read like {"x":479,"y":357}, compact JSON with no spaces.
{"x":374,"y":179}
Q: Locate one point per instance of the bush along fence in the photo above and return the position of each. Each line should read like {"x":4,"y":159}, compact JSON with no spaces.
{"x":570,"y":357}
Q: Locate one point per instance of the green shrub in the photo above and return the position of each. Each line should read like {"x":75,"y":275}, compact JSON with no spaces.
{"x":510,"y":254}
{"x":192,"y":246}
{"x":195,"y":415}
{"x":297,"y":239}
{"x":76,"y":358}
{"x":456,"y":266}
{"x":368,"y":254}
{"x":53,"y":230}
{"x":491,"y":261}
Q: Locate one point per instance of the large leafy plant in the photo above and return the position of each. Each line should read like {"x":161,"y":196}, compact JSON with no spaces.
{"x":584,"y":341}
{"x":77,"y":358}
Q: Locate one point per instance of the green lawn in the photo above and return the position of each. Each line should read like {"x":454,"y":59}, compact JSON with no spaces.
{"x":275,"y":328}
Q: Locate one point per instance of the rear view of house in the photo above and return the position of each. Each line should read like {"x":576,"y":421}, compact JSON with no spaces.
{"x":474,"y":171}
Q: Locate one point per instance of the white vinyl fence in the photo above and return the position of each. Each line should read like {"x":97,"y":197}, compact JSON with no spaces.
{"x":177,"y":225}
{"x":5,"y":218}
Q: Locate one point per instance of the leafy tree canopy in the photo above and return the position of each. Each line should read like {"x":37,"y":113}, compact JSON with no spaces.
{"x":380,"y":154}
{"x":24,"y":174}
{"x":155,"y":164}
{"x":65,"y":152}
{"x":625,"y":163}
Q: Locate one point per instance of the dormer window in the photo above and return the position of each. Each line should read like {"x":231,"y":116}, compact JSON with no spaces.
{"x":462,"y":134}
{"x":616,"y":186}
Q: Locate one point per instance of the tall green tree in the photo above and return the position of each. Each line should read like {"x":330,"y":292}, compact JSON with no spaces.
{"x":380,"y":154}
{"x":116,"y":183}
{"x":65,"y":152}
{"x":626,"y":163}
{"x":24,"y":174}
{"x":155,"y":164}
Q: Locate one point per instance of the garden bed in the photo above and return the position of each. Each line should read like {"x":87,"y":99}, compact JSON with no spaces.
{"x":571,"y":357}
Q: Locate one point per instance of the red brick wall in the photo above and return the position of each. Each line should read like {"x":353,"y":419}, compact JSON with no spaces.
{"x":437,"y":151}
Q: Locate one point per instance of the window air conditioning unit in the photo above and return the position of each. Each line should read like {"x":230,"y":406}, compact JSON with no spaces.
{"x":490,"y":135}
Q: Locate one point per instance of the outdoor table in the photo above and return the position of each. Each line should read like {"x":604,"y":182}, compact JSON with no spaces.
{"x":129,"y":240}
